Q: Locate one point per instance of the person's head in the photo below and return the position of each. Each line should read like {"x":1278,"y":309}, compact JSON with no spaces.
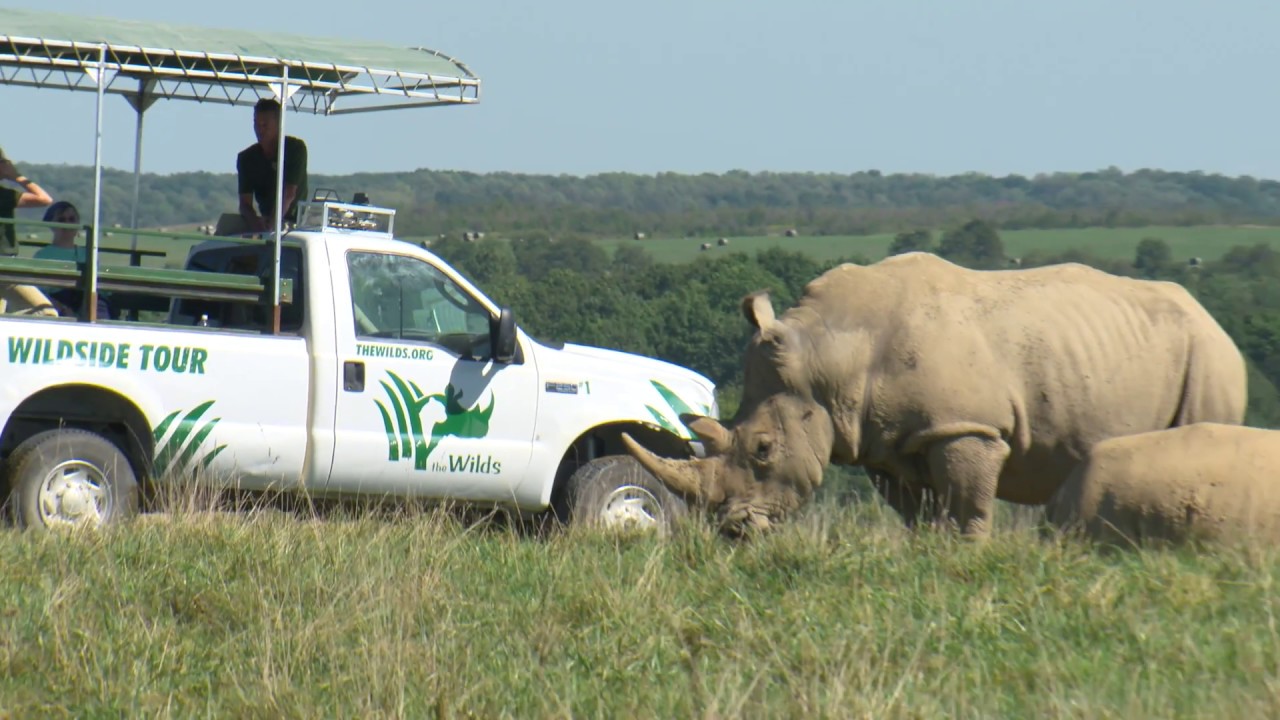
{"x":63,"y":212}
{"x":266,"y":120}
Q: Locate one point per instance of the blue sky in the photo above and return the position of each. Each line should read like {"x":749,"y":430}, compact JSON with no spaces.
{"x":577,"y":87}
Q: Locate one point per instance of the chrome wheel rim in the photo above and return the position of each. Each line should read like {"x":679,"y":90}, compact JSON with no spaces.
{"x":74,"y":493}
{"x":632,"y":507}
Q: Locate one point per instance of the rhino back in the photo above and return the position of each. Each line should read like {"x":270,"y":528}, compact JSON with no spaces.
{"x":1205,"y":481}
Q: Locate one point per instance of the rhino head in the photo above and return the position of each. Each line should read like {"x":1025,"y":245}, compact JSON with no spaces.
{"x":769,"y":461}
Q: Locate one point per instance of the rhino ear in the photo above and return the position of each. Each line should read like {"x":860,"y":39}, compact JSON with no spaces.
{"x":758,"y":310}
{"x":715,"y":436}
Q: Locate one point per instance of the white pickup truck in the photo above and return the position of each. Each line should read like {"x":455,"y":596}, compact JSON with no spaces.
{"x":389,"y":375}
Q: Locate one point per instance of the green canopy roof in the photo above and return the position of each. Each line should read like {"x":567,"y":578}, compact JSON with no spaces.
{"x":147,"y":60}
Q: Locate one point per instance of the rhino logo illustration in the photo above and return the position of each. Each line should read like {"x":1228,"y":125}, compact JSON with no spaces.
{"x":402,"y":418}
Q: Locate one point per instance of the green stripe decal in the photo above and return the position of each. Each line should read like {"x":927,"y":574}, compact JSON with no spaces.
{"x":672,"y":399}
{"x":180,"y":435}
{"x":175,"y":452}
{"x":663,"y":421}
{"x":196,"y":440}
{"x":393,"y":449}
{"x":163,"y":427}
{"x":208,"y":459}
{"x":406,"y":445}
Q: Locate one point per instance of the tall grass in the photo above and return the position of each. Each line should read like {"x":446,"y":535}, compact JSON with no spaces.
{"x":843,"y":613}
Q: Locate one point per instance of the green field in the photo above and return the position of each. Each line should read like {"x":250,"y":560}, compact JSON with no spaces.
{"x":1206,"y":242}
{"x":840,"y":614}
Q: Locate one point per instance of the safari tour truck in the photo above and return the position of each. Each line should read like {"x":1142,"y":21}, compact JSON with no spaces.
{"x":328,"y":357}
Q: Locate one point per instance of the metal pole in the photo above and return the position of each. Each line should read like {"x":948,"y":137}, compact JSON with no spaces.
{"x":279,"y":209}
{"x":134,"y":259}
{"x":91,"y":269}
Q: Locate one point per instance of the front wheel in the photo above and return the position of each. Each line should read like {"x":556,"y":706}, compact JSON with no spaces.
{"x":615,"y":491}
{"x":69,"y":477}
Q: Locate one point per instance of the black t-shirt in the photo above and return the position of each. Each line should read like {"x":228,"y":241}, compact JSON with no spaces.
{"x":257,"y":175}
{"x":8,"y":234}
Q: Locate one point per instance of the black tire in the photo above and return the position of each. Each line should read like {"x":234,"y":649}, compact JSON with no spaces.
{"x":615,"y":490}
{"x":97,"y":486}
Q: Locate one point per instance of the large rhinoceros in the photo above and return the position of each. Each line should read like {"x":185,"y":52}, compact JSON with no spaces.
{"x":953,"y":387}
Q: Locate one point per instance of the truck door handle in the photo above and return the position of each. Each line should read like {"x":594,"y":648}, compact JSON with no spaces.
{"x":353,"y":376}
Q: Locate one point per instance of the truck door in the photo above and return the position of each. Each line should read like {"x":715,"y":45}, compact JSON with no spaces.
{"x":422,"y":408}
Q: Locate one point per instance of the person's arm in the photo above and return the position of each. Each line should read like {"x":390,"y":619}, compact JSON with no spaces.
{"x":290,"y":192}
{"x":295,"y":172}
{"x":251,"y":220}
{"x":32,"y":194}
{"x":35,"y":196}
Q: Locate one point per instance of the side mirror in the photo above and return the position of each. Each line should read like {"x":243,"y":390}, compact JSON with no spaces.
{"x":502,"y":336}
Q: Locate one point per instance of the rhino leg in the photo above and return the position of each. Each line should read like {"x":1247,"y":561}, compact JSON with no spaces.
{"x":913,"y":502}
{"x":967,"y":470}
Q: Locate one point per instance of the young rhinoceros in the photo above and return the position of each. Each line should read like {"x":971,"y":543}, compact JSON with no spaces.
{"x":953,"y":387}
{"x":1205,"y":482}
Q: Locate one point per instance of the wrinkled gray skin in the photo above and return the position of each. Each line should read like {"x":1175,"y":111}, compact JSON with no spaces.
{"x":952,"y":387}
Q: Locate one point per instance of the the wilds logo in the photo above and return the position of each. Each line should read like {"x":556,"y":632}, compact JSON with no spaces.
{"x":479,"y":464}
{"x":402,"y":418}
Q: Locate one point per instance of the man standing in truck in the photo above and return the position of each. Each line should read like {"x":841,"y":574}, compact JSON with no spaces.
{"x":16,"y":191}
{"x":256,"y":170}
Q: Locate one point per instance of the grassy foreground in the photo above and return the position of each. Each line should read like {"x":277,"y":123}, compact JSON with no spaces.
{"x":842,"y":614}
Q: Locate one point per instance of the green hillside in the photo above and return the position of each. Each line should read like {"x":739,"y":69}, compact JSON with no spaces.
{"x":1206,"y":242}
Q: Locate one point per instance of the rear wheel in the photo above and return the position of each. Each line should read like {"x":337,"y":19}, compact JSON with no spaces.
{"x":69,"y":477}
{"x":615,"y":491}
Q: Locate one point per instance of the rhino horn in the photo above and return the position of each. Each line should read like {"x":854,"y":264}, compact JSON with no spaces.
{"x":715,"y":436}
{"x":682,"y":476}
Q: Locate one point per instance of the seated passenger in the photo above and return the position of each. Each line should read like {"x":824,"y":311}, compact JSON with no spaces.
{"x":256,"y":171}
{"x":64,"y":247}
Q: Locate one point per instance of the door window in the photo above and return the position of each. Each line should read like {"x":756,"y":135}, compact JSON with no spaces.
{"x":400,"y":297}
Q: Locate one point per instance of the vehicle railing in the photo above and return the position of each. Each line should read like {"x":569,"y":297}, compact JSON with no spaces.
{"x":133,"y":279}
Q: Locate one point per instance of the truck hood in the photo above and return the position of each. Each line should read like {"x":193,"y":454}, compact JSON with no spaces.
{"x":648,"y":388}
{"x":641,"y":365}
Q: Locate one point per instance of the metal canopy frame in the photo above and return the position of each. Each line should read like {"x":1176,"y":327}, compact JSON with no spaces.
{"x":144,"y":73}
{"x":115,"y":57}
{"x":327,"y":76}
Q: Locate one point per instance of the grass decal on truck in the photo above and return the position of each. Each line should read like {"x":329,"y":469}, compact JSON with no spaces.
{"x":402,"y":418}
{"x":677,"y":406}
{"x":175,"y":449}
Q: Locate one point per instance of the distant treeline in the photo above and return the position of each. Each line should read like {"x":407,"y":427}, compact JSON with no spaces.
{"x":690,"y":313}
{"x":432,"y":202}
